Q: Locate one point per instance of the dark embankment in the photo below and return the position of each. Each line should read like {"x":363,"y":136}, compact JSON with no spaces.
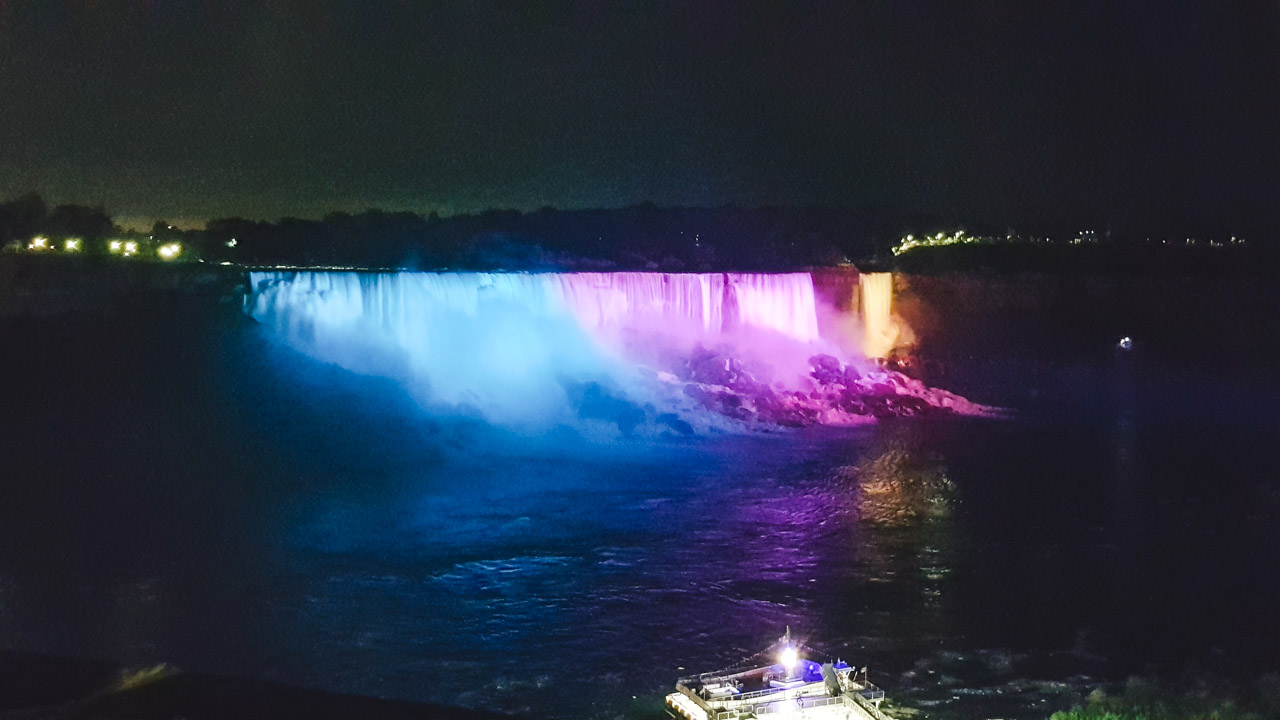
{"x":1195,"y":304}
{"x":971,"y":329}
{"x":99,"y":288}
{"x":36,"y":686}
{"x":1197,"y":319}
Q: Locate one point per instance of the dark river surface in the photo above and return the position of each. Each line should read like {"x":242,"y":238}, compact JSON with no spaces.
{"x":191,"y":493}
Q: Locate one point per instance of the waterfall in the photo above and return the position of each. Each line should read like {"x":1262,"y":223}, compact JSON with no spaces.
{"x":881,"y":333}
{"x":507,"y":342}
{"x":713,"y":302}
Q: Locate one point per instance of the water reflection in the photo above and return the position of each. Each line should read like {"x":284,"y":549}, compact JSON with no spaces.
{"x":899,"y":487}
{"x":571,"y":577}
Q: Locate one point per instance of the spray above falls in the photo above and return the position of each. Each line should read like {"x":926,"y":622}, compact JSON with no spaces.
{"x":543,"y":349}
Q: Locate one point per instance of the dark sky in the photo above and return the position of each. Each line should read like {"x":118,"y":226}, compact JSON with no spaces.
{"x":1107,"y":112}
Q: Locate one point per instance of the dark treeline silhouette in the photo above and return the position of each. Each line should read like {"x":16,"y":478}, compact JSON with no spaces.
{"x":634,"y":238}
{"x":29,"y":216}
{"x":642,"y":237}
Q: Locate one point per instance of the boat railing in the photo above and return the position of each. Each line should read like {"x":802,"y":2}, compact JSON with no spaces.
{"x":871,"y":692}
{"x":867,"y":706}
{"x":720,"y":676}
{"x":683,"y":686}
{"x":758,"y":694}
{"x":798,"y":703}
{"x":689,"y":693}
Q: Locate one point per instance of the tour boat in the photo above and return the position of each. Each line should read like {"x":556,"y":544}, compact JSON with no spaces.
{"x":788,"y":684}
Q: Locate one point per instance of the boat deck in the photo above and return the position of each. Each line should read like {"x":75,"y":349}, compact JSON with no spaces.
{"x":794,"y":686}
{"x":810,"y":702}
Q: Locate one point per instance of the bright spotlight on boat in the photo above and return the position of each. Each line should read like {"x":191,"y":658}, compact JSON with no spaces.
{"x":789,"y":658}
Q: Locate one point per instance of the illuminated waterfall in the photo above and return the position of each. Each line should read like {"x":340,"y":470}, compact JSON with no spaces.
{"x":506,"y":343}
{"x":711,"y":302}
{"x":877,"y":314}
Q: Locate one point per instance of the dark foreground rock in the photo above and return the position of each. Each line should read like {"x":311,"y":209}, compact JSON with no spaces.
{"x":33,"y":686}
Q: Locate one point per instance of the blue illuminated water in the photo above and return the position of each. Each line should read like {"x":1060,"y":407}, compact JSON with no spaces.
{"x":195,"y":492}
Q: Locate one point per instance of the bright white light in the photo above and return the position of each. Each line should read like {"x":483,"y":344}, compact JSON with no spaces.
{"x":71,"y":245}
{"x":131,"y":248}
{"x":170,"y":251}
{"x":231,"y":242}
{"x":1126,"y":343}
{"x":789,"y":658}
{"x":38,"y":243}
{"x":114,"y":246}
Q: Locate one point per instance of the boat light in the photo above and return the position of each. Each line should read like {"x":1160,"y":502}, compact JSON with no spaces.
{"x":789,"y":658}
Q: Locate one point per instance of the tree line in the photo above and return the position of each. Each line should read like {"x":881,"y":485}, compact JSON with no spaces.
{"x":643,"y":237}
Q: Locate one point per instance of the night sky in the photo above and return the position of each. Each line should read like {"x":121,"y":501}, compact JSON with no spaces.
{"x":1112,"y":113}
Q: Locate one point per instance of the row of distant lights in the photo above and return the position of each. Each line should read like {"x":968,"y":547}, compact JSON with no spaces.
{"x":124,"y":248}
{"x":1212,"y":243}
{"x":959,"y":237}
{"x":129,"y":248}
{"x":40,"y":242}
{"x":911,"y":242}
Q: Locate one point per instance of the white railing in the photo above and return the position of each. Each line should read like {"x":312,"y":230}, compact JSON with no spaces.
{"x":869,"y":707}
{"x":757,"y":694}
{"x":796,"y":703}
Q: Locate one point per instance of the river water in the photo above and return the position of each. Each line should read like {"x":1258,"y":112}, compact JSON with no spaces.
{"x":198,"y":494}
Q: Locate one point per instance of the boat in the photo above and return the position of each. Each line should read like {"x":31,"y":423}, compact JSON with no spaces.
{"x":783,"y":681}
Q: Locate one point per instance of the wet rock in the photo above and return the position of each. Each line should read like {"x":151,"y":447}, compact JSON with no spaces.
{"x":592,"y":400}
{"x":851,"y":402}
{"x":827,"y":370}
{"x":839,"y":394}
{"x":674,"y":422}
